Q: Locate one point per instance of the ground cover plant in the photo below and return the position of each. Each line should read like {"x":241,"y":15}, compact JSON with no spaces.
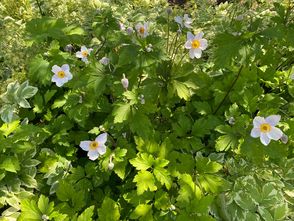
{"x":147,"y":110}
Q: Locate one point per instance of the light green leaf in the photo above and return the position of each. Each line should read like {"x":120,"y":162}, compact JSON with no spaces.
{"x":44,"y":205}
{"x":10,"y":164}
{"x":109,"y":210}
{"x":142,"y":210}
{"x":121,"y":112}
{"x":145,"y":180}
{"x":181,"y":89}
{"x":87,"y":214}
{"x":162,"y":175}
{"x":143,"y":161}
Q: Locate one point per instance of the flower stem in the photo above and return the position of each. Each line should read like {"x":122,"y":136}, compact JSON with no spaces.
{"x":228,"y":92}
{"x":40,"y":9}
{"x":167,"y":33}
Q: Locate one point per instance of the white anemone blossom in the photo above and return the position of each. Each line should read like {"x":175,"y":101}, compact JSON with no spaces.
{"x":95,"y":148}
{"x":61,"y":74}
{"x":184,"y":21}
{"x":142,"y":29}
{"x":265,"y":129}
{"x":84,"y":53}
{"x":195,"y":43}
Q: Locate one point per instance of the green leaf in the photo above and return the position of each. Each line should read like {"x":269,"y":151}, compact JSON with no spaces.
{"x":109,"y":210}
{"x":121,"y":112}
{"x":9,"y":128}
{"x":181,"y":89}
{"x":142,"y":210}
{"x":29,"y":211}
{"x":226,"y":142}
{"x":7,"y":113}
{"x":26,"y":91}
{"x":162,"y":175}
{"x":280,"y":211}
{"x":87,"y":214}
{"x":10,"y":164}
{"x":145,"y":180}
{"x":143,"y":161}
{"x":44,"y":205}
{"x":39,"y":71}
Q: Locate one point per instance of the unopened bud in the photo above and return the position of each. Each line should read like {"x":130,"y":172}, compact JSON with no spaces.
{"x":110,"y":165}
{"x":292,"y":76}
{"x":125,"y":82}
{"x":169,"y":10}
{"x":172,"y":207}
{"x":104,"y":61}
{"x":284,"y":138}
{"x":68,"y":48}
{"x":149,"y":48}
{"x":232,"y":120}
{"x":130,"y":30}
{"x":45,"y":217}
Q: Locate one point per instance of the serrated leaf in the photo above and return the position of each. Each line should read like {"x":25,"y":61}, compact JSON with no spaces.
{"x":121,"y":112}
{"x":7,"y":113}
{"x":144,"y":181}
{"x":162,"y":175}
{"x":44,"y":205}
{"x":109,"y":210}
{"x":181,"y":89}
{"x":87,"y":214}
{"x":10,"y":164}
{"x":9,"y":128}
{"x":143,"y":161}
{"x":226,"y":142}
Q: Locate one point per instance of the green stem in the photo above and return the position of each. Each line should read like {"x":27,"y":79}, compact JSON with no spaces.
{"x":167,"y":33}
{"x":40,"y":9}
{"x":228,"y":92}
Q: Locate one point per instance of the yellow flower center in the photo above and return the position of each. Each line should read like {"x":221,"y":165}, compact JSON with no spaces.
{"x":85,"y":53}
{"x":142,"y":30}
{"x":195,"y":44}
{"x":94,"y":145}
{"x":264,"y":128}
{"x":61,"y":74}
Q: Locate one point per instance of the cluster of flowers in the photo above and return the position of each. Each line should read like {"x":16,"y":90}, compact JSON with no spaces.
{"x":263,"y":127}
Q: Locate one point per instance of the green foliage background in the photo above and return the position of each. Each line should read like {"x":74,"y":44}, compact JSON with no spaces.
{"x":183,"y":154}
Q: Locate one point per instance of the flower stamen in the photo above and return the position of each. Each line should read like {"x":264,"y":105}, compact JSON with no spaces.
{"x":85,"y":53}
{"x":195,"y":44}
{"x":60,"y":74}
{"x":94,"y":145}
{"x":265,"y":128}
{"x":141,"y":30}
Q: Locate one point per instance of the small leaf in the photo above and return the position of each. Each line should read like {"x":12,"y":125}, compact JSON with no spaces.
{"x":145,"y":180}
{"x":109,"y":210}
{"x":87,"y":214}
{"x":121,"y":112}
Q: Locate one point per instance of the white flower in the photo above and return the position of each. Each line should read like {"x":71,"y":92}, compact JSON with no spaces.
{"x":195,"y":44}
{"x":61,"y":74}
{"x":265,"y":129}
{"x":84,"y":53}
{"x":142,"y":30}
{"x":104,"y":61}
{"x":95,"y":148}
{"x":125,"y":82}
{"x":184,"y":21}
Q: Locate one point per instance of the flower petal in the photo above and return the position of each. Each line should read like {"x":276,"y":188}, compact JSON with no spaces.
{"x":273,"y":120}
{"x":93,"y":154}
{"x":85,"y":145}
{"x":79,"y":54}
{"x":190,"y":36}
{"x":199,"y":35}
{"x":191,"y":53}
{"x":257,"y":121}
{"x":68,"y":75}
{"x":197,"y":52}
{"x":59,"y":83}
{"x":55,"y":69}
{"x":188,"y":44}
{"x":255,"y":132}
{"x":65,"y":67}
{"x":203,"y":44}
{"x":102,"y":138}
{"x":275,"y":133}
{"x":265,"y":140}
{"x":55,"y":78}
{"x":84,"y":48}
{"x":179,"y":20}
{"x":101,"y":149}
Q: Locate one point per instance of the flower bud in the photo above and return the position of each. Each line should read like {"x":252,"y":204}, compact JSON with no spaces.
{"x":232,"y":120}
{"x":110,"y":165}
{"x":169,"y":10}
{"x":104,"y":61}
{"x":125,"y":82}
{"x":68,"y":48}
{"x":130,"y":30}
{"x":284,"y":138}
